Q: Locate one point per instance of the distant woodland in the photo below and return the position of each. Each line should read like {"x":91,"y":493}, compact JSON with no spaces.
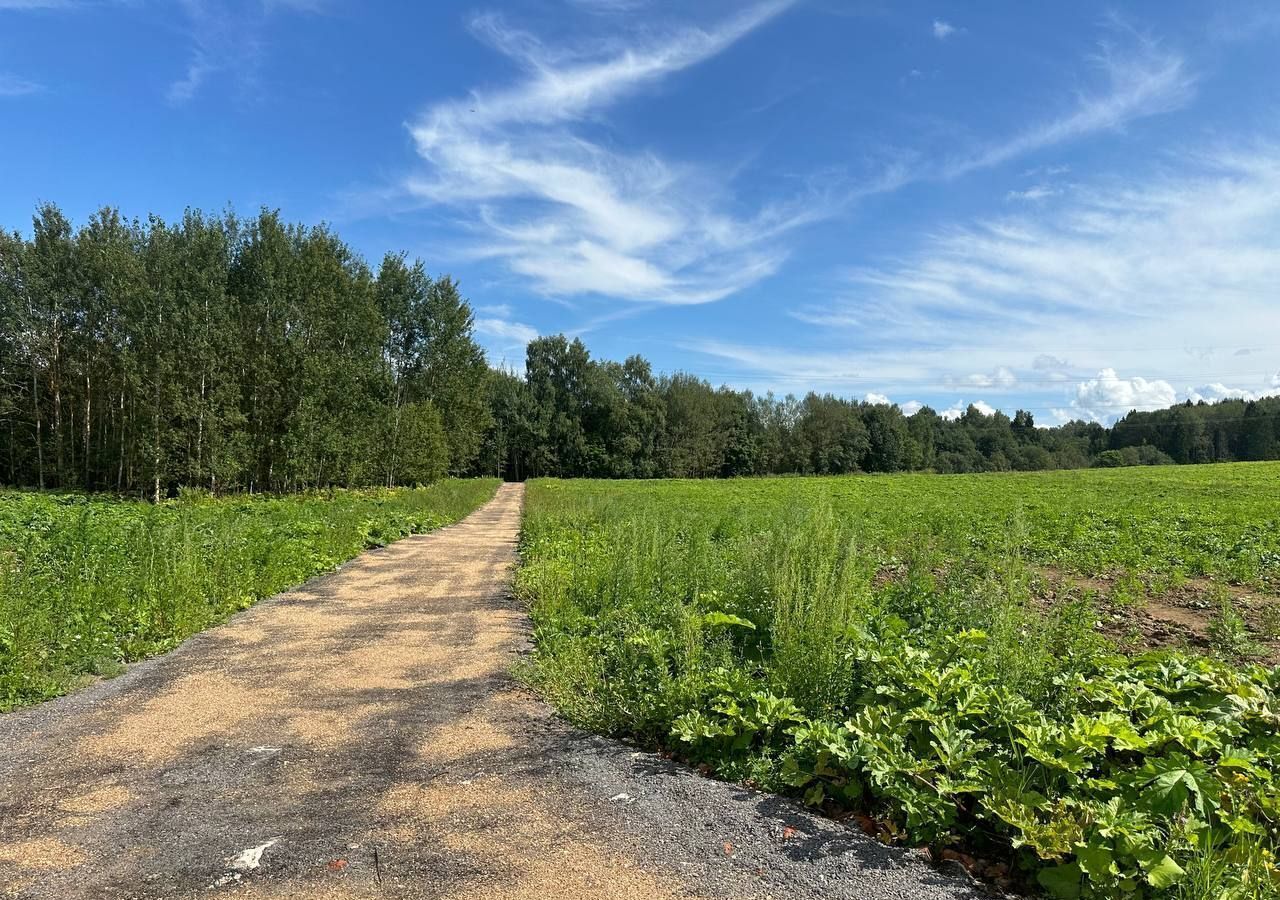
{"x":255,"y":355}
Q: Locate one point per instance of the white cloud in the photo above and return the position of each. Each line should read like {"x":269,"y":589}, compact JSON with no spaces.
{"x":1210,"y":393}
{"x":825,"y":316}
{"x":188,"y":85}
{"x":1047,"y":171}
{"x":228,"y":38}
{"x":1034,"y":194}
{"x":1143,"y":79}
{"x":514,"y":334}
{"x":1051,"y":368}
{"x":960,"y":408}
{"x":13,"y":86}
{"x":575,"y":216}
{"x":910,"y":408}
{"x":797,"y":368}
{"x":1000,"y":377}
{"x":314,"y":7}
{"x":500,"y":310}
{"x":1275,"y":380}
{"x":1047,"y":362}
{"x":1108,"y":396}
{"x":1125,"y":275}
{"x":609,"y":6}
{"x":943,"y":30}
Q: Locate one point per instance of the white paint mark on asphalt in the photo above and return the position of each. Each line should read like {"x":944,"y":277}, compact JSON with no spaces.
{"x":622,"y":798}
{"x":247,"y":860}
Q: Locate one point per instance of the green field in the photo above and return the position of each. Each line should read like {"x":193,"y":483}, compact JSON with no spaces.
{"x":1065,"y":678}
{"x":87,"y":583}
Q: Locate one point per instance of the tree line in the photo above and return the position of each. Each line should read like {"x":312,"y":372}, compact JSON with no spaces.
{"x":570,"y":416}
{"x":228,"y":354}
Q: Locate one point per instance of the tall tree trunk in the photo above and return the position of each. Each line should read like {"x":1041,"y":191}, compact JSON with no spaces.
{"x":57,"y":432}
{"x":124,"y":437}
{"x":395,"y":439}
{"x":155,"y":410}
{"x":71,"y":442}
{"x":88,"y":435}
{"x":197,"y":475}
{"x":55,"y":378}
{"x":155,"y":454}
{"x":35,"y":404}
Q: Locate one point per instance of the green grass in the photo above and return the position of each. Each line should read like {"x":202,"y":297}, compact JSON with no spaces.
{"x":90,"y":583}
{"x":884,"y":644}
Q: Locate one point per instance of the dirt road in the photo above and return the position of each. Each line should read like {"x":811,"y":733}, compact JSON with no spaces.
{"x":360,"y":736}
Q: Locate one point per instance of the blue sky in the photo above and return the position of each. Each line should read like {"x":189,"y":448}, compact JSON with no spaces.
{"x":1072,"y":208}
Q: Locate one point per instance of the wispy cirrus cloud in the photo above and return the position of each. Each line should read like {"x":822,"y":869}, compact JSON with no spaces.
{"x":609,"y":6}
{"x":571,"y":214}
{"x":36,"y":4}
{"x":1143,"y":78}
{"x":1200,"y":233}
{"x":1034,"y":194}
{"x":228,"y":39}
{"x":943,"y":30}
{"x":1001,"y":377}
{"x":505,"y":333}
{"x":14,"y":86}
{"x":1131,"y":292}
{"x":1139,"y":78}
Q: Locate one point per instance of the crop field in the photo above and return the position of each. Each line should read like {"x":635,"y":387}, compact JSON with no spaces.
{"x":88,"y":584}
{"x":1061,"y":680}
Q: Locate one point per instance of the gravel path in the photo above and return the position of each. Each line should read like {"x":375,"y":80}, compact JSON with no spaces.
{"x":360,"y":736}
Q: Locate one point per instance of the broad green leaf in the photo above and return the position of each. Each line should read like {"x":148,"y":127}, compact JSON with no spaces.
{"x":1061,"y":881}
{"x":1096,"y":860}
{"x":723,"y":618}
{"x":1161,"y":869}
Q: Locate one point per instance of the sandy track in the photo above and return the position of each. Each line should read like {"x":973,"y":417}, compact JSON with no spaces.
{"x":360,"y":736}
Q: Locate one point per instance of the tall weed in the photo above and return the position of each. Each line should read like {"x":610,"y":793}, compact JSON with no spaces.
{"x":88,"y":583}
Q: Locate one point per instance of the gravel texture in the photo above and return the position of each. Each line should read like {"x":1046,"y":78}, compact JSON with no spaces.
{"x":361,"y":736}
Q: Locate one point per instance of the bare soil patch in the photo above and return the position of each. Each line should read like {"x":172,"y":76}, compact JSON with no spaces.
{"x":1178,"y":615}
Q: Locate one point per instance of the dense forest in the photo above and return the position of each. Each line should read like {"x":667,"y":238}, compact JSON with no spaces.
{"x":570,"y":415}
{"x":229,"y":354}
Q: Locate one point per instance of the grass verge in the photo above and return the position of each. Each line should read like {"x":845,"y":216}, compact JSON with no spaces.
{"x":88,"y":584}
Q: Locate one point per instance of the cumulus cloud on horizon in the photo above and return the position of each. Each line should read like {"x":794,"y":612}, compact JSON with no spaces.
{"x":1108,"y":396}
